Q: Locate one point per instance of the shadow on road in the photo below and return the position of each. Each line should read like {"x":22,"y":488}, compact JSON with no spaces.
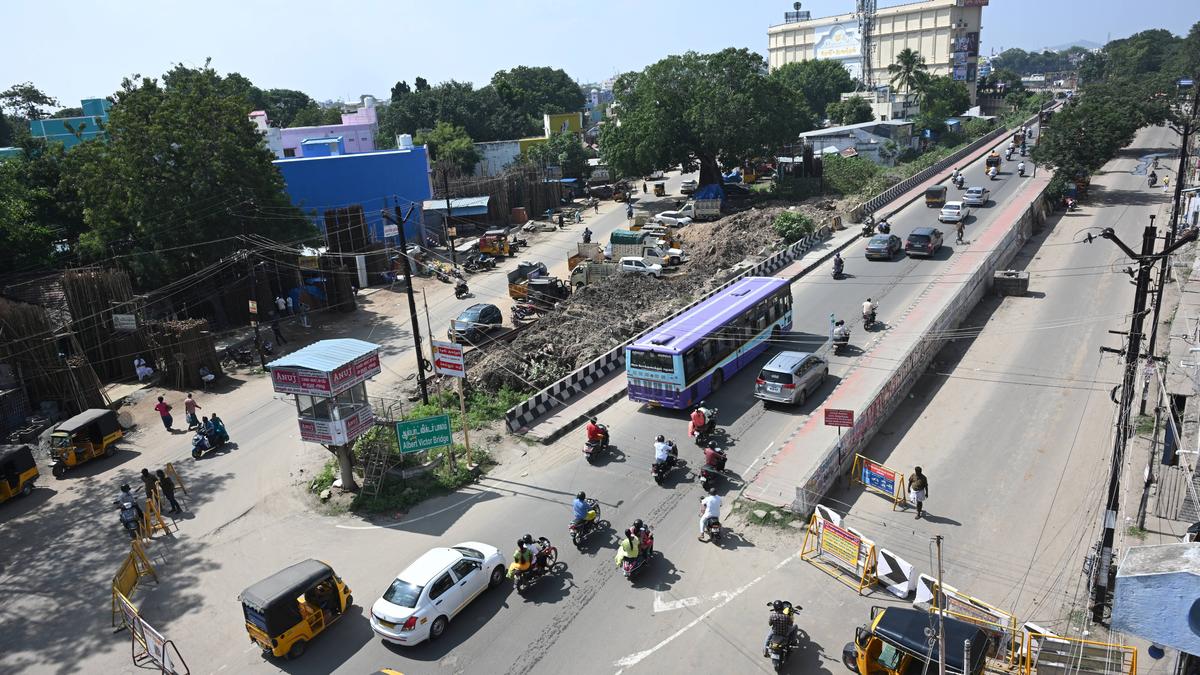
{"x":332,"y":648}
{"x":485,"y":608}
{"x":660,"y":574}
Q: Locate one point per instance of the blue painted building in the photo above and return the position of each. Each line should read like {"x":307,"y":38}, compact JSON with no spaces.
{"x":71,"y":131}
{"x":369,"y":181}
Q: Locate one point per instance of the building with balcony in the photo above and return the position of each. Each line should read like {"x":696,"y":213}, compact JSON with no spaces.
{"x":944,"y":32}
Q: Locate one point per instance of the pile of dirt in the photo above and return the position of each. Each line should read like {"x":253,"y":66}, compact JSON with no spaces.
{"x":604,"y":314}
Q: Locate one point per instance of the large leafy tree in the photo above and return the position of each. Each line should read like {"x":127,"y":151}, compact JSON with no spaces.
{"x":534,"y":91}
{"x":450,"y":146}
{"x":283,"y":105}
{"x":184,"y":169}
{"x":908,"y":72}
{"x":854,"y":110}
{"x":819,"y":82}
{"x":26,"y":242}
{"x":26,"y":101}
{"x":942,"y":97}
{"x":565,"y":151}
{"x":701,"y":111}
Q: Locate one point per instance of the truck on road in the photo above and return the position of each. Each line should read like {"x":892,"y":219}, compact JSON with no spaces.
{"x":700,"y":209}
{"x":642,"y":244}
{"x":590,"y":271}
{"x":543,"y":292}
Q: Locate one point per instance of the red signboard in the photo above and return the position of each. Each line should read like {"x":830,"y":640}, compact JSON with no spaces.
{"x":448,"y":359}
{"x":835,"y":417}
{"x":315,"y":383}
{"x":336,"y":432}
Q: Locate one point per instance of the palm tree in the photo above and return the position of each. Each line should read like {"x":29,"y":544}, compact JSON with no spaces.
{"x":908,"y":71}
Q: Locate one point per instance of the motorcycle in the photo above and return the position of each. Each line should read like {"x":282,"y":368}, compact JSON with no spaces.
{"x":524,"y":311}
{"x":712,"y":525}
{"x":441,"y":276}
{"x":130,"y":517}
{"x":1021,"y":171}
{"x":583,"y":529}
{"x":592,"y":448}
{"x":841,"y":341}
{"x":838,"y":270}
{"x":868,"y":318}
{"x":202,"y":443}
{"x":960,"y":181}
{"x":461,"y":291}
{"x":1152,"y":181}
{"x":660,"y":469}
{"x":703,"y":434}
{"x":1072,"y":204}
{"x":645,"y":552}
{"x":522,"y":580}
{"x":242,"y":356}
{"x":779,"y":647}
{"x":992,"y":173}
{"x":710,"y":478}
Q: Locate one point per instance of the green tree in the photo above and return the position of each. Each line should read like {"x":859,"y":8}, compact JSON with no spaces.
{"x":793,"y":226}
{"x":26,"y":101}
{"x":854,"y":110}
{"x":449,"y":145}
{"x":67,"y":112}
{"x":534,"y":91}
{"x":908,"y":70}
{"x":399,"y":90}
{"x":283,"y":105}
{"x":184,"y":169}
{"x":25,"y":241}
{"x":819,"y":82}
{"x":565,"y":151}
{"x":696,"y":110}
{"x":942,"y":97}
{"x":421,"y":84}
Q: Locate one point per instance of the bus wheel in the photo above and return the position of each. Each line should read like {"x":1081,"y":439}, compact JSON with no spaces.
{"x":718,"y":379}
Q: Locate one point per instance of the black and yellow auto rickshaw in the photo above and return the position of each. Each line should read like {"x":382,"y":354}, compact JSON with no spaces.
{"x":18,"y":471}
{"x":895,"y":643}
{"x":289,"y":608}
{"x":660,"y":189}
{"x":935,"y":195}
{"x":86,"y":436}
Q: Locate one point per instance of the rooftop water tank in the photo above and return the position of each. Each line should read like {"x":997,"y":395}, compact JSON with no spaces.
{"x":404,"y":141}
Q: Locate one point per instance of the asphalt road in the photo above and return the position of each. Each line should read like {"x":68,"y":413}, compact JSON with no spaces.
{"x":700,"y":606}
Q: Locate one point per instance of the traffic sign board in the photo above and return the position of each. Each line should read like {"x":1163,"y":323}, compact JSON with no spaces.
{"x":836,"y":417}
{"x":448,"y":359}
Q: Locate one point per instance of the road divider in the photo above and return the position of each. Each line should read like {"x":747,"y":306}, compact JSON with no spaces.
{"x":839,"y":552}
{"x":133,"y":567}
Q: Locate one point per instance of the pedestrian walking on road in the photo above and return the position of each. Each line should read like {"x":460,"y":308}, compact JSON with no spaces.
{"x":278,"y":333}
{"x":164,"y":410}
{"x":168,"y":489}
{"x":958,"y":229}
{"x":291,"y":310}
{"x":189,"y":408}
{"x":918,"y":490}
{"x":151,"y":484}
{"x":280,"y":304}
{"x":304,"y":314}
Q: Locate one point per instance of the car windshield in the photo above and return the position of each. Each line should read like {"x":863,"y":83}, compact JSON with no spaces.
{"x":950,"y":207}
{"x":469,"y":552}
{"x":403,"y":594}
{"x":775,"y":376}
{"x":918,"y":238}
{"x":974,"y":192}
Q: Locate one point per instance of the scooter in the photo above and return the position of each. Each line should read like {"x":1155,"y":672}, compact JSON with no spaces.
{"x":992,"y":173}
{"x":202,"y":443}
{"x":583,"y":529}
{"x":703,"y":434}
{"x":592,"y":448}
{"x":130,"y":516}
{"x":779,"y":647}
{"x":841,"y":342}
{"x":660,"y":469}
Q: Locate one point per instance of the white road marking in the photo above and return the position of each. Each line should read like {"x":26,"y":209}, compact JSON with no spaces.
{"x":413,"y":520}
{"x":760,"y":456}
{"x":661,"y":605}
{"x":637,"y":657}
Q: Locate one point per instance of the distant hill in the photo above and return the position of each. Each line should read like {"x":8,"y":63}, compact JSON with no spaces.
{"x":1086,"y":44}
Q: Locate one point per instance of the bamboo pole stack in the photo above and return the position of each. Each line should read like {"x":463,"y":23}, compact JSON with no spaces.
{"x":49,"y":364}
{"x":180,"y":348}
{"x":93,"y":296}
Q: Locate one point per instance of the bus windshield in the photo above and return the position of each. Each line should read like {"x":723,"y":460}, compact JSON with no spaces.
{"x":645,"y":360}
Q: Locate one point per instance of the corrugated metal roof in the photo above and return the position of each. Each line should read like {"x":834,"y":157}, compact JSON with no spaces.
{"x":326,"y":355}
{"x":457,"y":203}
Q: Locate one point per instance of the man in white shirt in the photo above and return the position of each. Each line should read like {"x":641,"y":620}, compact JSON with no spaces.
{"x":710,"y":507}
{"x":662,"y":450}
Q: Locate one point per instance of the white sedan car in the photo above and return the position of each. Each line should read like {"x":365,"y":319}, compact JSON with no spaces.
{"x":432,"y":590}
{"x":954,"y":212}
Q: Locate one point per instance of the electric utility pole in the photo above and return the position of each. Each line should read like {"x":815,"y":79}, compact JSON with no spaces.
{"x":254,"y":294}
{"x":451,"y":230}
{"x":940,"y":599}
{"x":399,"y":220}
{"x":1145,"y":263}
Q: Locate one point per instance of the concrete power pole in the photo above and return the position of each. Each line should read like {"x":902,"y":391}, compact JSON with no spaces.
{"x":399,"y":219}
{"x":941,"y":605}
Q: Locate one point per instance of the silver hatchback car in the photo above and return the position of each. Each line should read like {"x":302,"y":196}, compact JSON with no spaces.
{"x":789,"y":377}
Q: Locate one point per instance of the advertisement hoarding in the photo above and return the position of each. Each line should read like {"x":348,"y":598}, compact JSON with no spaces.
{"x":290,"y":380}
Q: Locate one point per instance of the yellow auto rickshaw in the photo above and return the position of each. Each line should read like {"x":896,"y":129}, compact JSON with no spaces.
{"x":86,"y":436}
{"x":660,"y":189}
{"x":289,"y":608}
{"x":18,"y":471}
{"x":895,"y":643}
{"x":935,"y":195}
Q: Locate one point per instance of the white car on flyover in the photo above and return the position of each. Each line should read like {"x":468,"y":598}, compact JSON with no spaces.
{"x":954,"y":212}
{"x":433,"y":590}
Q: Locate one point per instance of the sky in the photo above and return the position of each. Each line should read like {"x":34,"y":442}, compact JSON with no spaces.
{"x":335,"y":51}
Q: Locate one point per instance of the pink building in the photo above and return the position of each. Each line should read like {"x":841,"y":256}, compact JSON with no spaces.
{"x":357,"y":131}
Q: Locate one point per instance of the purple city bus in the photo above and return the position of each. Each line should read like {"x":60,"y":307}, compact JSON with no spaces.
{"x":682,"y":361}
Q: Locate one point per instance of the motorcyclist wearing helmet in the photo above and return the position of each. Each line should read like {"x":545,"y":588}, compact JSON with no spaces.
{"x":581,"y":510}
{"x":596,"y":434}
{"x":522,"y":559}
{"x":714,"y":458}
{"x":781,"y":623}
{"x":664,"y":451}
